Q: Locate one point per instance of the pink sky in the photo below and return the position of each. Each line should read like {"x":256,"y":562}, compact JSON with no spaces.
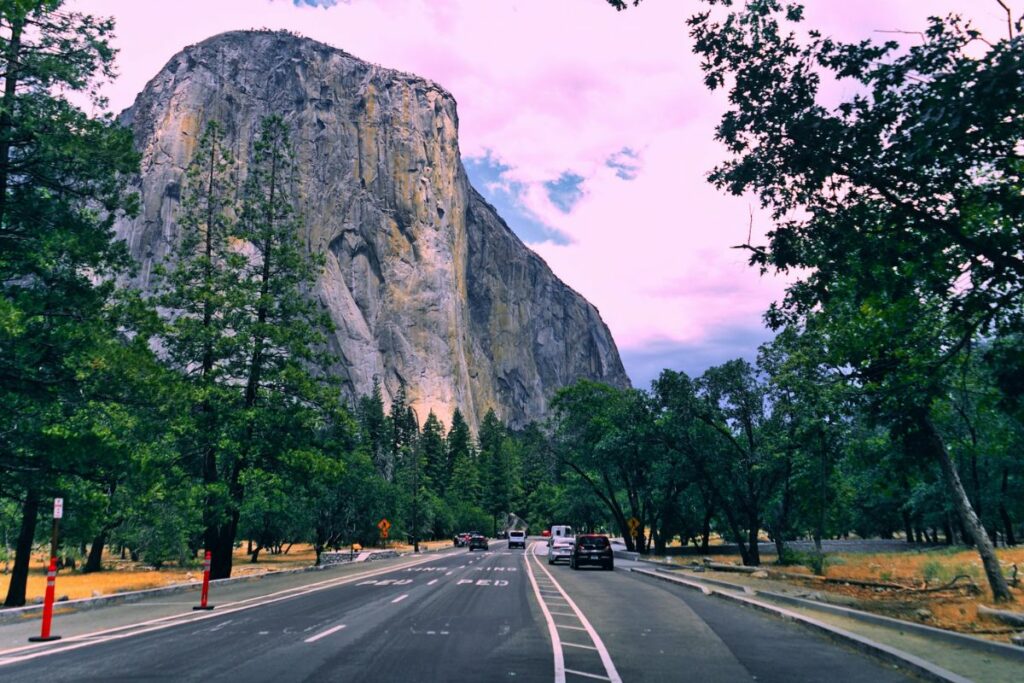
{"x":547,"y":88}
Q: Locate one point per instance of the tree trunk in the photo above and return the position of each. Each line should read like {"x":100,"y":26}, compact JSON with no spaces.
{"x":705,"y":533}
{"x":23,"y":551}
{"x":1003,"y":514}
{"x":947,"y":529}
{"x":255,"y":552}
{"x":754,"y":551}
{"x":908,"y":529}
{"x":94,"y":563}
{"x":996,"y":580}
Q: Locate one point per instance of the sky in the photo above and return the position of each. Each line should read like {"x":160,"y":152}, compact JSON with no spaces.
{"x":589,"y":129}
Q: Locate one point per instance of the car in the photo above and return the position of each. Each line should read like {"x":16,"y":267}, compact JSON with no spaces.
{"x":516,"y":539}
{"x":546,"y":533}
{"x":462,"y":540}
{"x":477,"y":541}
{"x":592,"y":549}
{"x":560,"y":548}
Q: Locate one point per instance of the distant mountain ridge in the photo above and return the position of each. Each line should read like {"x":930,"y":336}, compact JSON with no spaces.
{"x":426,"y":284}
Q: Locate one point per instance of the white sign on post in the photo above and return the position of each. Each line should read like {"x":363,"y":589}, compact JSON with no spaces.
{"x":58,"y":508}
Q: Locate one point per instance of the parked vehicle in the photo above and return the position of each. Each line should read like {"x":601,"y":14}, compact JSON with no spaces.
{"x":516,"y":539}
{"x":592,"y":549}
{"x":560,"y":548}
{"x":477,"y":540}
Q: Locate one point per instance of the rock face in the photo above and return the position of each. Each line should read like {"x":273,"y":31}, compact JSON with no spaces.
{"x":424,"y":281}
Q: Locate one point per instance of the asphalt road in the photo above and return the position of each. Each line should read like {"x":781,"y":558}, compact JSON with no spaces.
{"x":501,"y":615}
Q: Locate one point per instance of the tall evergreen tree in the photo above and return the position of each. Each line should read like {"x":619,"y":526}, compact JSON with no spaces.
{"x":464,"y":484}
{"x":432,"y":447}
{"x":62,"y":184}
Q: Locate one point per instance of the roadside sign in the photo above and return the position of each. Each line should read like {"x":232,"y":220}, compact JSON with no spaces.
{"x":58,"y":508}
{"x":634,"y":526}
{"x":383,"y":533}
{"x":384,"y":525}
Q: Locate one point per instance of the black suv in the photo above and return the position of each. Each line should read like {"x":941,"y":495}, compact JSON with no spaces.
{"x":592,"y":549}
{"x":477,"y":541}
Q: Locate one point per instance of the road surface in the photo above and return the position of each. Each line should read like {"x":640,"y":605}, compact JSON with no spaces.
{"x":500,"y":615}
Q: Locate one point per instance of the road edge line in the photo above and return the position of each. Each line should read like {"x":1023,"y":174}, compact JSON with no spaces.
{"x":886,"y":653}
{"x":30,"y":652}
{"x":602,"y":651}
{"x":556,"y":641}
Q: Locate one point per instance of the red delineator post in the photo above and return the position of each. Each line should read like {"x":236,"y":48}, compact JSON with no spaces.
{"x":51,"y":588}
{"x":206,"y":584}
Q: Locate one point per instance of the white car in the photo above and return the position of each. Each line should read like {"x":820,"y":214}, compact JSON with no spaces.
{"x":560,"y":548}
{"x":516,"y":539}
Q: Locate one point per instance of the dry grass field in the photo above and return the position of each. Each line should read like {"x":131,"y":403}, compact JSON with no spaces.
{"x":955,"y":608}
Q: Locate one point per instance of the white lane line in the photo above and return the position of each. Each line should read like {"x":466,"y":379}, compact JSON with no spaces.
{"x":584,"y":647}
{"x":324,"y":634}
{"x":564,"y":614}
{"x":449,"y":573}
{"x":556,"y":642}
{"x":400,"y":598}
{"x":431,"y":583}
{"x":606,"y":659}
{"x":574,"y":628}
{"x":160,"y":623}
{"x":586,"y":675}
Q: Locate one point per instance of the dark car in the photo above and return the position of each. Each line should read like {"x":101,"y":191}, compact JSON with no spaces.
{"x":592,"y":549}
{"x":477,"y":541}
{"x":462,"y":540}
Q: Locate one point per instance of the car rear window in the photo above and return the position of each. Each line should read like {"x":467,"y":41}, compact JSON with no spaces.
{"x":598,"y":543}
{"x":517,"y":534}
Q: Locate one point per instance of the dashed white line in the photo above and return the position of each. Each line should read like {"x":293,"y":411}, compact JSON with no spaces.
{"x":400,"y":598}
{"x":326,"y":633}
{"x":431,"y":583}
{"x":556,"y":642}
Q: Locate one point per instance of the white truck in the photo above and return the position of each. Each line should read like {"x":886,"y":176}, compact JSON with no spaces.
{"x":516,"y":539}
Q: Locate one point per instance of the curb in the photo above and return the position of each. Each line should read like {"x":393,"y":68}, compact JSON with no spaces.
{"x":961,"y":639}
{"x":928,"y":670}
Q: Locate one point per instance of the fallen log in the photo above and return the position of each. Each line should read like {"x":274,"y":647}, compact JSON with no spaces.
{"x":1005,"y":616}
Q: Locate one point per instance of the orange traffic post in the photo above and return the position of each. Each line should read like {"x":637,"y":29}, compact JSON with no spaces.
{"x":51,"y":588}
{"x":206,"y":585}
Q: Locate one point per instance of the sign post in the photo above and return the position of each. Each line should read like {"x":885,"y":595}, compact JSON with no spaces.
{"x":51,"y":577}
{"x":384,"y":525}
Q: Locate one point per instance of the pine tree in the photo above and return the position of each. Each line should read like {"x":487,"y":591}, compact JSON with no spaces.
{"x":62,"y":184}
{"x":495,"y":474}
{"x":373,"y":427}
{"x":432,"y":447}
{"x":464,"y":484}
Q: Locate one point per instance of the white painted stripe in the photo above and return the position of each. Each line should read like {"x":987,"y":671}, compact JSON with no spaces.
{"x":400,"y":598}
{"x":574,"y":628}
{"x":556,"y":642}
{"x":431,"y":583}
{"x":565,"y":614}
{"x":606,"y":659}
{"x":160,"y":623}
{"x":585,"y":674}
{"x":585,"y":647}
{"x":326,"y":633}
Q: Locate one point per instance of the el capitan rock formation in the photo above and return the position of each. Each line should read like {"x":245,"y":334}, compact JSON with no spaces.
{"x":424,"y":281}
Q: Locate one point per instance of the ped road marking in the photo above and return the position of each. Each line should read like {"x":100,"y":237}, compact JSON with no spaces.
{"x":26,"y":653}
{"x":602,"y":651}
{"x":326,"y":633}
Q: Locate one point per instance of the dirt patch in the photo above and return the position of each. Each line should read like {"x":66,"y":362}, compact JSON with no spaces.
{"x":954,"y":608}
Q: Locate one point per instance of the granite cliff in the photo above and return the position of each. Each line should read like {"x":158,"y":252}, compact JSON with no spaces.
{"x":425,"y":283}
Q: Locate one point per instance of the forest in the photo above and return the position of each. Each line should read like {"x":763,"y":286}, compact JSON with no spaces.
{"x":202,"y":415}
